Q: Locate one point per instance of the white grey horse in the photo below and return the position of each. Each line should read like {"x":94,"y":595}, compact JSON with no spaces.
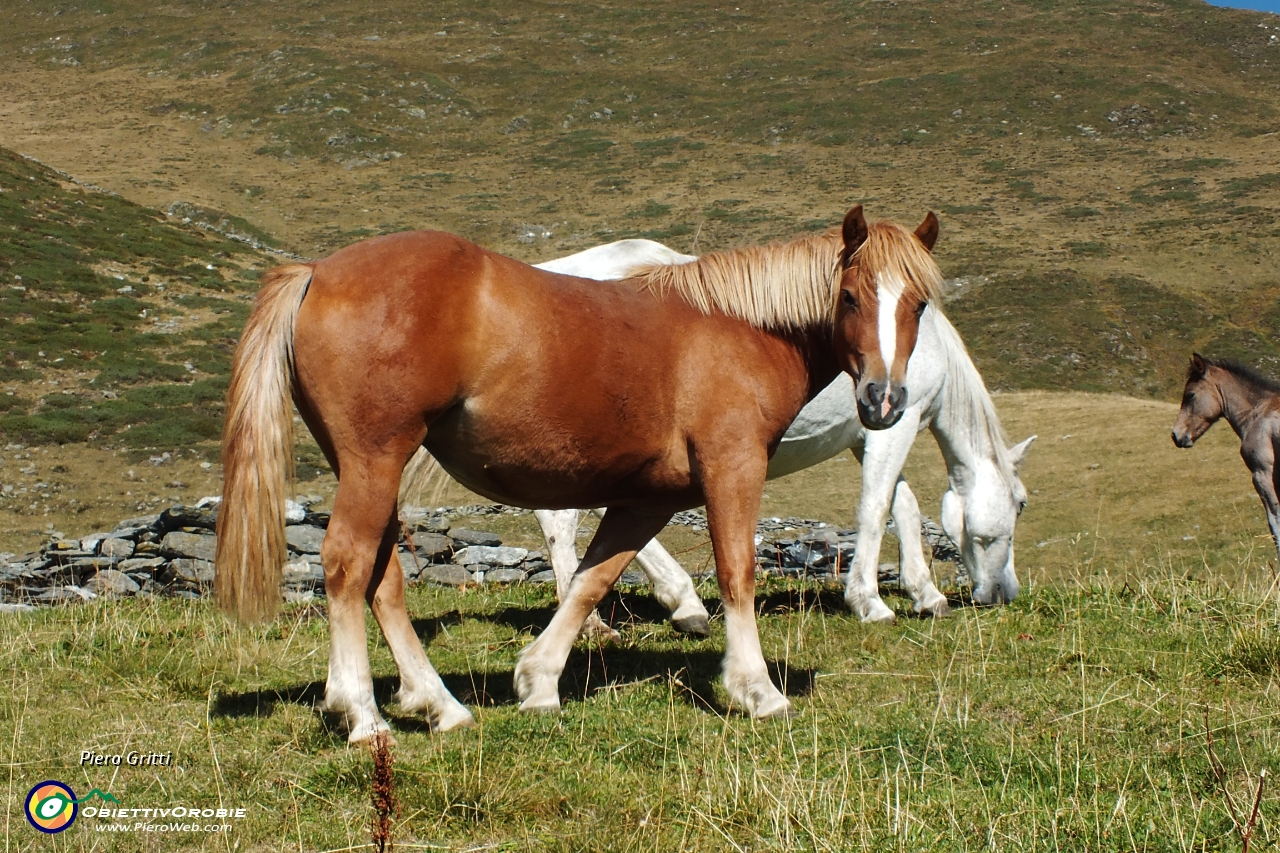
{"x":979,"y":509}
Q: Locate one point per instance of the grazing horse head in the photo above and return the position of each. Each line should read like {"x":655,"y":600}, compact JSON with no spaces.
{"x":1202,"y":404}
{"x":888,"y":278}
{"x":979,"y":513}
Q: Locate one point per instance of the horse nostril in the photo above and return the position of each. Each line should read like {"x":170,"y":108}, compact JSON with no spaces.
{"x":898,"y":398}
{"x":875,"y":396}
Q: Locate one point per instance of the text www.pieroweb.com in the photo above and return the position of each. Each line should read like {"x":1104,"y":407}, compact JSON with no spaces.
{"x":172,"y":820}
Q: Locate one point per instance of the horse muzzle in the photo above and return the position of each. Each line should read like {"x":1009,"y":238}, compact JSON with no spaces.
{"x":1000,"y":592}
{"x":1183,"y":440}
{"x":877,"y":410}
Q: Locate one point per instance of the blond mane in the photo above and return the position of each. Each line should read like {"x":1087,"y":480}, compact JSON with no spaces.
{"x":792,"y":285}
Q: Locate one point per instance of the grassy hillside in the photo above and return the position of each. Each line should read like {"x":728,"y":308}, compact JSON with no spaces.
{"x":1107,"y":175}
{"x":116,"y":326}
{"x":1106,"y":172}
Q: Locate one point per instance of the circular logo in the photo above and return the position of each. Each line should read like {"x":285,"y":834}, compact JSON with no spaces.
{"x":51,"y":807}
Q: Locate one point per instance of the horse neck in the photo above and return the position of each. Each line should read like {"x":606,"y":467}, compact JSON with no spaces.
{"x":964,"y":424}
{"x":1240,"y":399}
{"x":819,"y":355}
{"x":963,"y":448}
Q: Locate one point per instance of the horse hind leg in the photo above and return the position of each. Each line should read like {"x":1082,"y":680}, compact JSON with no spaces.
{"x":421,"y":690}
{"x":914,"y":570}
{"x":358,"y":549}
{"x":560,"y":529}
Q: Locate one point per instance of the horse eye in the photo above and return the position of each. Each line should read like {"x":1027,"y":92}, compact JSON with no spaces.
{"x":1021,"y":506}
{"x":848,"y":300}
{"x":920,"y":309}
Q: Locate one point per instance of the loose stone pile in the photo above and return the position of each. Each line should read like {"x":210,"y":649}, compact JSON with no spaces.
{"x":171,"y":554}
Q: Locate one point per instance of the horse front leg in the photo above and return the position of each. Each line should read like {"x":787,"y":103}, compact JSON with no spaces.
{"x":882,"y":460}
{"x":674,"y":589}
{"x":913,"y":568}
{"x":1264,"y":482}
{"x":421,"y":690}
{"x":733,"y":489}
{"x":560,"y":529}
{"x":621,"y":534}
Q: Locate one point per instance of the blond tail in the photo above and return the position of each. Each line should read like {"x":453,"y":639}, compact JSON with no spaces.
{"x":423,"y":471}
{"x":257,"y":452}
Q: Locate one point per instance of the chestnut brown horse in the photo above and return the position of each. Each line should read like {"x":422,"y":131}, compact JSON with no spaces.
{"x":685,"y":379}
{"x":1250,"y":402}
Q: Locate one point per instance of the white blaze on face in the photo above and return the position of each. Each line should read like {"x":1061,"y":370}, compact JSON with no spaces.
{"x":888,"y":291}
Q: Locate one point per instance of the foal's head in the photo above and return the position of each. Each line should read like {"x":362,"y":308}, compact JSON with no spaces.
{"x":1202,"y":403}
{"x":888,"y":278}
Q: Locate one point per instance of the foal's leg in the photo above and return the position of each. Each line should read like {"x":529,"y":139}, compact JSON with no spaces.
{"x":914,"y":570}
{"x":621,"y":534}
{"x":882,"y":460}
{"x":356,"y":541}
{"x":560,"y":529}
{"x":1266,"y":481}
{"x":421,"y":689}
{"x":733,"y":505}
{"x":673,"y":587}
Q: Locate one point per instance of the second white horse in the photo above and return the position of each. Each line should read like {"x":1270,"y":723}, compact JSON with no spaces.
{"x":979,"y":510}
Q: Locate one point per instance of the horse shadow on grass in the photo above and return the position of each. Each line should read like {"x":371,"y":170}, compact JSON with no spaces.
{"x":691,"y":676}
{"x":690,"y":672}
{"x":631,"y":608}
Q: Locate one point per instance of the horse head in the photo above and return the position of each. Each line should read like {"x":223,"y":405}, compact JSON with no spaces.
{"x":979,"y":513}
{"x":1201,"y":404}
{"x":887,"y":281}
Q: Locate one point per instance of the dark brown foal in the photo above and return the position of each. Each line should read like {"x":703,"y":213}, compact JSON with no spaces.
{"x":1218,"y":388}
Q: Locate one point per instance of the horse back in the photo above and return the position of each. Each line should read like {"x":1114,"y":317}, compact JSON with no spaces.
{"x":531,"y":383}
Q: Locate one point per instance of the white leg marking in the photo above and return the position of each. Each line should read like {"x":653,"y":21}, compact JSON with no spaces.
{"x":560,"y":528}
{"x":914,"y":570}
{"x":673,"y":587}
{"x":746,"y":677}
{"x":349,"y":690}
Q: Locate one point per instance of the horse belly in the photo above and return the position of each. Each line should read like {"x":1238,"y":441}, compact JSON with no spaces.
{"x":547,"y":463}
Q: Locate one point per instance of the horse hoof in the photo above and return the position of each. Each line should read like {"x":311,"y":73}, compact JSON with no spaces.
{"x":775,"y":710}
{"x":368,"y":735}
{"x":454,"y":718}
{"x":877,"y":612}
{"x":531,"y":706}
{"x":941,"y":610}
{"x":698,"y":626}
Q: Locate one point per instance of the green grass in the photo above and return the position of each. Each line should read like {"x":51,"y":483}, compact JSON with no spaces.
{"x":87,"y":283}
{"x":1065,"y":328}
{"x":1073,"y":719}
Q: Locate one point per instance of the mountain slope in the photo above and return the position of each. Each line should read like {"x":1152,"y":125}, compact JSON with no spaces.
{"x":1106,"y":172}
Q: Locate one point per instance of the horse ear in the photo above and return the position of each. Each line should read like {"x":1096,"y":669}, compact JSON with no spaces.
{"x":854,"y":230}
{"x":1199,"y":367}
{"x":1018,"y":453}
{"x":927,"y":233}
